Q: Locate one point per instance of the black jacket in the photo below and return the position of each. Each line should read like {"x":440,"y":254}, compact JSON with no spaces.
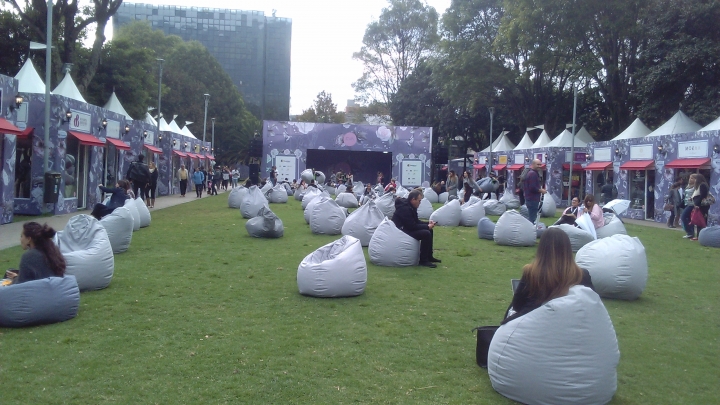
{"x":154,"y":178}
{"x":406,"y":216}
{"x":118,"y":197}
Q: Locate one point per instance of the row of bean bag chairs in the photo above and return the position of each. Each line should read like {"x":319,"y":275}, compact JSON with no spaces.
{"x":486,"y":228}
{"x":472,"y":211}
{"x":617,"y":265}
{"x":85,"y":245}
{"x":578,"y":237}
{"x":565,"y":352}
{"x":512,"y":229}
{"x":448,"y":215}
{"x":425,"y":209}
{"x":235,"y":196}
{"x":494,"y":207}
{"x":710,"y":236}
{"x":265,"y":225}
{"x":277,"y":194}
{"x":253,"y":202}
{"x":119,"y":228}
{"x":361,"y":224}
{"x":326,"y":218}
{"x":337,"y":269}
{"x":391,"y":247}
{"x":549,"y":206}
{"x":39,"y":302}
{"x":613,"y":226}
{"x":347,"y":200}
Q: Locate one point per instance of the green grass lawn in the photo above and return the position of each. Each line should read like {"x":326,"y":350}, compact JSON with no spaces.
{"x":198,"y":312}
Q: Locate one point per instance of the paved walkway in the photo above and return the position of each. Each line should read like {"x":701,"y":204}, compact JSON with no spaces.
{"x":10,"y":233}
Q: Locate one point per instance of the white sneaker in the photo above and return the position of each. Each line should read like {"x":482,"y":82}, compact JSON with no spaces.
{"x":687,"y":236}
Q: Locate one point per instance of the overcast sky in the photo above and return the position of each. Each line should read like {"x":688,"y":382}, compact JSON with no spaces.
{"x":325,"y":33}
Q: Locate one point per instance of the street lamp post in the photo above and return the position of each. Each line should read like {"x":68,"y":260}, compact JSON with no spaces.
{"x":48,"y":68}
{"x":572,"y":146}
{"x":492,"y":112}
{"x":212,"y":143}
{"x":160,"y":62}
{"x":207,"y":98}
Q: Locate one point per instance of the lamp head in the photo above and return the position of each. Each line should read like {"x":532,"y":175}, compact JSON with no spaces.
{"x":18,"y":102}
{"x":103,"y":124}
{"x":127,"y":129}
{"x":716,"y":148}
{"x":145,"y":134}
{"x":68,"y":116}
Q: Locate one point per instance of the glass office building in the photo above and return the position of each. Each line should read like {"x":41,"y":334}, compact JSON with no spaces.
{"x":254,"y":49}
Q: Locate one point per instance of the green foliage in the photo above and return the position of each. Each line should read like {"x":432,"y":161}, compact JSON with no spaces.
{"x":15,"y":44}
{"x":323,"y":110}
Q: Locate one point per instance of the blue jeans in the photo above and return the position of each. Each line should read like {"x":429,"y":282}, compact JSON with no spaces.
{"x":685,"y":218}
{"x":532,"y":207}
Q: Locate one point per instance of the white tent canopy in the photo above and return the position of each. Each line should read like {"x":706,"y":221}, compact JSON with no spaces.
{"x":114,"y":105}
{"x":164,"y":125}
{"x":503,"y":144}
{"x":542,"y":140}
{"x":150,"y":120}
{"x":525,"y":142}
{"x":174,"y":128}
{"x":185,"y":131}
{"x":678,"y":124}
{"x":636,"y":130}
{"x":29,"y":80}
{"x":494,"y":144}
{"x":565,"y":140}
{"x":67,"y":88}
{"x":713,"y":126}
{"x":584,"y":136}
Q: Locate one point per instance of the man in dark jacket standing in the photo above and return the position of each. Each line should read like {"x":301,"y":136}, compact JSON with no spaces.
{"x":139,"y":174}
{"x":406,"y":219}
{"x":532,"y":190}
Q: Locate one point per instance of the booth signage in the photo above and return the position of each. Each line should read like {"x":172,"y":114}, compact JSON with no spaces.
{"x":22,"y":112}
{"x":150,"y":139}
{"x":286,"y":167}
{"x":411,"y":174}
{"x":502,"y":160}
{"x":80,"y":121}
{"x":602,"y":154}
{"x":519,"y":159}
{"x":482,"y":160}
{"x":579,"y":157}
{"x":540,"y":157}
{"x":693,"y":149}
{"x":113,"y":129}
{"x":176,"y":146}
{"x":641,"y":152}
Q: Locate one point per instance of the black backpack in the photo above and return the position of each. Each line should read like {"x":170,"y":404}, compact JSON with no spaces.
{"x":138,"y":172}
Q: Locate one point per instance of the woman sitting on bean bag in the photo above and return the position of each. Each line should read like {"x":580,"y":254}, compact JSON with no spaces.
{"x":119,"y":195}
{"x":594,"y":210}
{"x":42,"y":258}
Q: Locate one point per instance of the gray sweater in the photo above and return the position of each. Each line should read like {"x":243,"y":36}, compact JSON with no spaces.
{"x":33,"y":266}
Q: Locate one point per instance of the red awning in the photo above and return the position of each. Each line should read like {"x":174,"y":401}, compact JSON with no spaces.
{"x":181,"y":154}
{"x":637,"y":165}
{"x":194,"y":156}
{"x":7,"y":128}
{"x":118,"y":143}
{"x":499,"y":167}
{"x":516,"y":167}
{"x":26,"y":132}
{"x":698,"y":163}
{"x":598,"y":166}
{"x":209,"y":157}
{"x":87,"y":139}
{"x":478,"y":166}
{"x":153,"y":149}
{"x":576,"y":167}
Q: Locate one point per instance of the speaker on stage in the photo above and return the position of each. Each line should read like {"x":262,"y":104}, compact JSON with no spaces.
{"x":254,"y":173}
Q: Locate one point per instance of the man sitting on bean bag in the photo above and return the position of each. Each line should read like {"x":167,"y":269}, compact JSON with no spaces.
{"x":406,"y":219}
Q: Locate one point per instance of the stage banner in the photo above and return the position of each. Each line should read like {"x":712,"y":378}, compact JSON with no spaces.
{"x":411,"y":173}
{"x":286,"y":167}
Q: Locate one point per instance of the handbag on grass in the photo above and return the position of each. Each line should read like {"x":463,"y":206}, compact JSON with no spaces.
{"x":697,"y":218}
{"x":484,"y":337}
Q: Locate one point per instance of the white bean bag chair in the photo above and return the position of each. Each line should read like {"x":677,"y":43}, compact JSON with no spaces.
{"x":564,"y":352}
{"x":361,"y":224}
{"x":130,"y":204}
{"x":524,"y":212}
{"x":236,"y":196}
{"x":386,"y":204}
{"x":443,"y":197}
{"x":310,"y":193}
{"x":471,"y":212}
{"x":88,"y":254}
{"x":308,"y":210}
{"x":425,"y":209}
{"x":143,"y":212}
{"x":578,"y":237}
{"x":709,"y":236}
{"x":119,"y":228}
{"x":431,"y":195}
{"x":494,"y":207}
{"x":512,"y":229}
{"x":392,"y":247}
{"x":549,"y":206}
{"x":39,"y":302}
{"x":288,"y":189}
{"x":540,"y":229}
{"x":337,"y":269}
{"x":327,"y":217}
{"x":265,"y":225}
{"x":617,"y":265}
{"x":402,"y":192}
{"x":487,"y":185}
{"x":299,"y":193}
{"x":267,"y":187}
{"x":307,"y":175}
{"x":320,"y":177}
{"x":252,"y":203}
{"x":448,"y":215}
{"x":340,"y":189}
{"x":461,"y":195}
{"x":511,"y":201}
{"x":277,"y":194}
{"x":486,"y":228}
{"x":331,"y":190}
{"x":613,"y":226}
{"x":347,"y":200}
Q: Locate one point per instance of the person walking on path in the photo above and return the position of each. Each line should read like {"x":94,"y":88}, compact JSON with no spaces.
{"x":225,"y":177}
{"x":216,"y":179}
{"x":532,"y":190}
{"x":152,"y":185}
{"x":198,"y":179}
{"x":139,"y":174}
{"x":235,"y":177}
{"x":182,"y":175}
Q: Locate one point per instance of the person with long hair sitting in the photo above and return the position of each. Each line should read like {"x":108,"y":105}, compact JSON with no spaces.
{"x":42,"y":258}
{"x":570,"y":213}
{"x":594,"y":210}
{"x":550,"y":275}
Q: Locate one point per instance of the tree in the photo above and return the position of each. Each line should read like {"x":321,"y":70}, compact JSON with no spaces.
{"x":323,"y":110}
{"x":16,"y":44}
{"x":393,"y":45}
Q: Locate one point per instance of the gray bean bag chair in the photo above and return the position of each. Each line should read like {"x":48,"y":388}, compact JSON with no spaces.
{"x":511,"y":201}
{"x":39,"y":302}
{"x":613,"y":226}
{"x":337,"y":269}
{"x":320,"y":177}
{"x":425,"y":209}
{"x":267,"y":187}
{"x":514,"y":230}
{"x":143,"y":212}
{"x":386,"y":204}
{"x":494,"y":207}
{"x":448,"y":215}
{"x":578,"y":237}
{"x":277,"y":194}
{"x":392,"y":247}
{"x":310,"y":193}
{"x":331,"y":190}
{"x":443,"y":197}
{"x":486,"y":228}
{"x":486,"y":185}
{"x":549,"y":206}
{"x":617,"y":265}
{"x":307,"y":175}
{"x":88,"y":254}
{"x":524,"y":212}
{"x":709,"y":236}
{"x":252,"y":203}
{"x":327,"y":217}
{"x":130,"y":204}
{"x":119,"y":228}
{"x":563,"y":353}
{"x":288,"y":189}
{"x":540,"y":229}
{"x":236,"y":196}
{"x":265,"y":225}
{"x":402,"y":192}
{"x":299,"y":193}
{"x":309,"y":209}
{"x":361,"y":224}
{"x":431,"y":195}
{"x":471,"y":212}
{"x":347,"y":200}
{"x":340,"y":189}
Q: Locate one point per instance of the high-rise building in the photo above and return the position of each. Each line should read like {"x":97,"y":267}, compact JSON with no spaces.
{"x":252,"y":48}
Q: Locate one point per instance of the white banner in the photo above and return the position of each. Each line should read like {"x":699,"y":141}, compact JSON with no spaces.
{"x":602,"y":154}
{"x":22,"y":113}
{"x":150,"y":138}
{"x":80,"y":121}
{"x":482,"y":160}
{"x":519,"y":159}
{"x":286,"y":167}
{"x":411,"y":174}
{"x":641,"y":152}
{"x":113,"y":129}
{"x":693,"y":149}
